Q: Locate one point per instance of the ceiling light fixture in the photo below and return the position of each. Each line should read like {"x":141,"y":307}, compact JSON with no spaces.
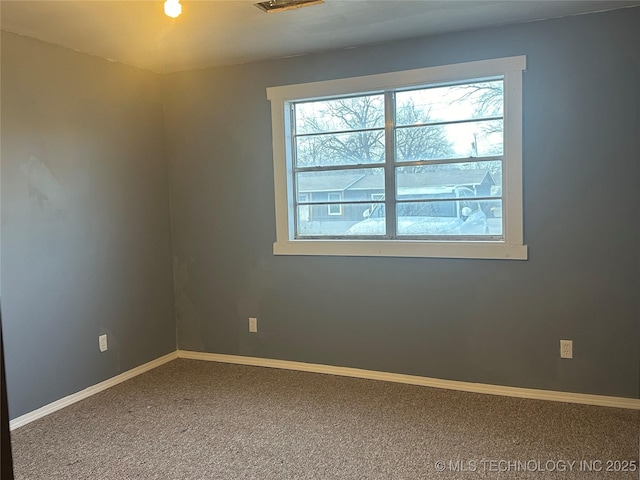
{"x":272,"y":6}
{"x":172,"y":8}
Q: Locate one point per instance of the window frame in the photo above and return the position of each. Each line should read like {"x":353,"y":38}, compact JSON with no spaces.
{"x":510,"y":247}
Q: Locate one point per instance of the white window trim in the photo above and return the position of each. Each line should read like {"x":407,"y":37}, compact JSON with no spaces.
{"x":512,"y":247}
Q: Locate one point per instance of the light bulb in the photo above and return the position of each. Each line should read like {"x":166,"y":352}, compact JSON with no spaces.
{"x":172,"y":8}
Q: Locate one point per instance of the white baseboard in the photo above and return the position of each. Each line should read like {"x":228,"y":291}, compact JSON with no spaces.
{"x":582,"y":398}
{"x":530,"y":393}
{"x":87,"y":392}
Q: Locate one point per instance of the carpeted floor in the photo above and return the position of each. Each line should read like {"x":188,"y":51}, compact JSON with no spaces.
{"x":201,"y":420}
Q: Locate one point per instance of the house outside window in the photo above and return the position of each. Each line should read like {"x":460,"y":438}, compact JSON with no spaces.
{"x":417,"y":163}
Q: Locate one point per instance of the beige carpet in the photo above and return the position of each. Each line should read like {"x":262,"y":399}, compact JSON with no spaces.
{"x":201,"y":420}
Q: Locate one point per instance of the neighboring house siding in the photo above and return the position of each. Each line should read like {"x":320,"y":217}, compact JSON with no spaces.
{"x":366,"y":187}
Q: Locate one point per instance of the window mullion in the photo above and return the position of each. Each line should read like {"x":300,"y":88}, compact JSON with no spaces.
{"x":337,"y":168}
{"x":449,"y":161}
{"x":451,"y":122}
{"x":389,"y":168}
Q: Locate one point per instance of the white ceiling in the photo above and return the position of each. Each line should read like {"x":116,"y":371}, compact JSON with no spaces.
{"x":220,"y":32}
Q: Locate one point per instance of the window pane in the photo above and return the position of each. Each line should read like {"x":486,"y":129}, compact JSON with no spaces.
{"x":348,"y":220}
{"x":320,"y":217}
{"x":442,"y":218}
{"x":458,"y":140}
{"x":340,"y":149}
{"x":450,"y":103}
{"x":449,"y":181}
{"x":353,"y":113}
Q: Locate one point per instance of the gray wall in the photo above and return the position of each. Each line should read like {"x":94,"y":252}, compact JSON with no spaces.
{"x":85,"y":221}
{"x":86,"y":236}
{"x":497,"y":322}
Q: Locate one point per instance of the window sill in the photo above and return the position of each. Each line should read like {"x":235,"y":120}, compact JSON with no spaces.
{"x":378,"y":248}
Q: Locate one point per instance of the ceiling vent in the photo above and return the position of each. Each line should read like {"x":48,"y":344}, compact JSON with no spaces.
{"x":273,"y":6}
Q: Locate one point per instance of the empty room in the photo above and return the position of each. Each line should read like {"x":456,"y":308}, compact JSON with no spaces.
{"x":320,"y":239}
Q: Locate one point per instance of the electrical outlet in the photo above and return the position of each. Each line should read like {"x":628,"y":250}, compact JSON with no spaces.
{"x":566,"y":348}
{"x":102,"y":343}
{"x":253,"y":325}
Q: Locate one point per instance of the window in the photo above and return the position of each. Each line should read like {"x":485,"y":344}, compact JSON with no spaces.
{"x":334,"y":208}
{"x":424,"y":163}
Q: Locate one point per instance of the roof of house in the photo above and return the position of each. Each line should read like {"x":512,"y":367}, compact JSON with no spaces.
{"x":330,"y":182}
{"x":440,"y":178}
